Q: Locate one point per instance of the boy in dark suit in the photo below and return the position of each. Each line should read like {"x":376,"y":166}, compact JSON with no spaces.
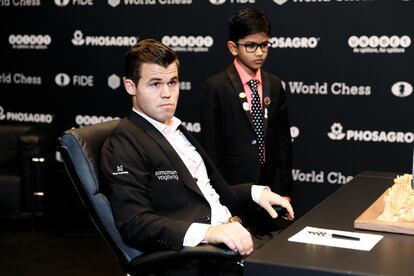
{"x":244,"y":119}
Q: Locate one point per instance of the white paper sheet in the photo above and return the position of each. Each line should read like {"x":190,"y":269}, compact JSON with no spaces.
{"x":366,"y":241}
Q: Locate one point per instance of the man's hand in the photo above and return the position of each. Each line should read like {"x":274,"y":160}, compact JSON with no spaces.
{"x":268,"y":198}
{"x":234,"y":235}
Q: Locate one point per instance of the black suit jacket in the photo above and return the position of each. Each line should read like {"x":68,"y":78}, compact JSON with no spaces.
{"x":153,"y":196}
{"x":229,"y":138}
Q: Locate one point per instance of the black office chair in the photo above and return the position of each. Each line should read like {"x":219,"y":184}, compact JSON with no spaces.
{"x":81,"y":152}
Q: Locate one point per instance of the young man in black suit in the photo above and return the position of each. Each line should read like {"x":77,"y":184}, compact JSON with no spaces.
{"x":164,"y":191}
{"x":248,"y":143}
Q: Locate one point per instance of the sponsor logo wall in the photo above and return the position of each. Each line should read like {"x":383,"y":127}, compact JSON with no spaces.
{"x":349,"y":84}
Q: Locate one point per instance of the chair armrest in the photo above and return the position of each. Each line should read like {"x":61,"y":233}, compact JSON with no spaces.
{"x":159,"y":259}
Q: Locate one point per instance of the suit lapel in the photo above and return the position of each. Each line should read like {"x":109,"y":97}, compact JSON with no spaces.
{"x":169,"y":151}
{"x":240,"y":93}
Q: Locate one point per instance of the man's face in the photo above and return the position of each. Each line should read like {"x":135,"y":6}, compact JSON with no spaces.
{"x":251,"y":62}
{"x":157,"y":92}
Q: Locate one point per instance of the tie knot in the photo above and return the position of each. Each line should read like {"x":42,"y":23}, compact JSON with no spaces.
{"x":253,"y":83}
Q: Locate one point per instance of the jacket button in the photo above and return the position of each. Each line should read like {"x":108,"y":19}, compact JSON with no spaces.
{"x":254,"y":142}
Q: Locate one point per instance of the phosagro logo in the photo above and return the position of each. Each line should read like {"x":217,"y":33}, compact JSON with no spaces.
{"x":26,"y":41}
{"x":379,"y":44}
{"x":25,"y":117}
{"x":188,"y":43}
{"x":86,"y":120}
{"x":294,"y":42}
{"x":402,"y":89}
{"x":337,"y":133}
{"x":79,"y":40}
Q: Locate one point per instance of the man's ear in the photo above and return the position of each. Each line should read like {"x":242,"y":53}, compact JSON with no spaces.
{"x":130,"y":87}
{"x":232,"y":48}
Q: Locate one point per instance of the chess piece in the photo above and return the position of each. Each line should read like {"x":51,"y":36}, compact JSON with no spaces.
{"x":387,"y":214}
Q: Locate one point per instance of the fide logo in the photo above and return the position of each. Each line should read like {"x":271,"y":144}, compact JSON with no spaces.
{"x":114,"y":3}
{"x":402,"y":89}
{"x":217,"y":2}
{"x":280,"y":2}
{"x":336,"y":132}
{"x":62,"y":79}
{"x":294,"y":132}
{"x":62,"y":3}
{"x":2,"y":116}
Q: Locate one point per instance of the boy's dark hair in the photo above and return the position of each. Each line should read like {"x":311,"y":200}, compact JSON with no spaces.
{"x":147,"y":51}
{"x":246,"y":22}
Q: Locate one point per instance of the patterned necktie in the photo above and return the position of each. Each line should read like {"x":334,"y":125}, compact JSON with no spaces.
{"x":257,"y":117}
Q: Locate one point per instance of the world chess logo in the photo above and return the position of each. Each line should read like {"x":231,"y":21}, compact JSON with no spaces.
{"x":280,"y":2}
{"x":336,"y":132}
{"x":114,"y":81}
{"x":62,"y":3}
{"x":217,"y":2}
{"x":114,"y":3}
{"x":402,"y":89}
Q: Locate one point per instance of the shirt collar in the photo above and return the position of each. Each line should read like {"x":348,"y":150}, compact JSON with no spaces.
{"x":163,"y":128}
{"x":244,"y":76}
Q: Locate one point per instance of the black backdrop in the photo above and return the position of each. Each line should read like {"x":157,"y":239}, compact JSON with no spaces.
{"x":346,"y":65}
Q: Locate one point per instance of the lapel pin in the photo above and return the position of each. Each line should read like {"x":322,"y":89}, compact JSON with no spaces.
{"x":267,"y":100}
{"x":242,"y":95}
{"x":246,"y":106}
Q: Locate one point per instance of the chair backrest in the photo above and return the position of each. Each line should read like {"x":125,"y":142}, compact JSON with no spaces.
{"x":81,"y":153}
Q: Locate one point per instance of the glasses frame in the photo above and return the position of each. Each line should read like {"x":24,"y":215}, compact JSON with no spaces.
{"x":263,"y":46}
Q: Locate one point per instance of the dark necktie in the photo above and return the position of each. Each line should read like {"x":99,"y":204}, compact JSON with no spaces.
{"x":257,"y":117}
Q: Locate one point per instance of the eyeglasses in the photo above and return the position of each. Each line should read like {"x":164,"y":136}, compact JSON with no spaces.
{"x":251,"y":47}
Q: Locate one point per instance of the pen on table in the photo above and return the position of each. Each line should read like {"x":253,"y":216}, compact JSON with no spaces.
{"x":345,"y":237}
{"x":333,"y":235}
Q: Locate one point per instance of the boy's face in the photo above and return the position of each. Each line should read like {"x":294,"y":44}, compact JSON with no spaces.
{"x":251,"y":62}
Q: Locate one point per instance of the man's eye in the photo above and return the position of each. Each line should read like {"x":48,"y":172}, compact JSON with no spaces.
{"x":155,"y":84}
{"x":173,"y":83}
